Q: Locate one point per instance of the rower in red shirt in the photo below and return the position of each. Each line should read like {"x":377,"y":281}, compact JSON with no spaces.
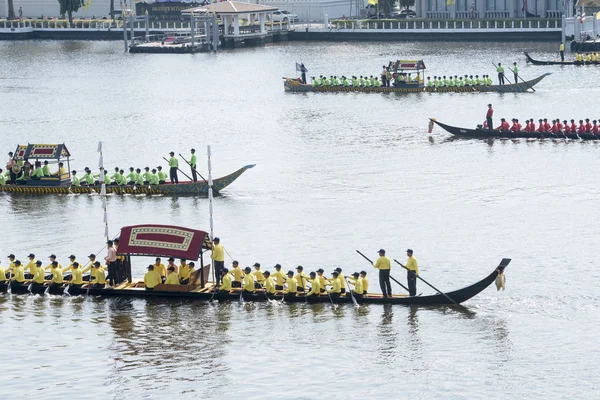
{"x":554,"y":128}
{"x":514,"y":127}
{"x":519,"y":126}
{"x":504,"y":126}
{"x":531,"y":125}
{"x":595,"y":129}
{"x":559,"y":125}
{"x":588,"y":126}
{"x":573,"y":128}
{"x":526,"y":126}
{"x":566,"y":128}
{"x":547,"y":126}
{"x":542,"y":127}
{"x":581,"y":128}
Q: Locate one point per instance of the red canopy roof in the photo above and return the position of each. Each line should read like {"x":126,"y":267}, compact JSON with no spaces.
{"x":162,"y":241}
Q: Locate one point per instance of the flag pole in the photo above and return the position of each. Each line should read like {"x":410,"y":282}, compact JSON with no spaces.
{"x":210,"y":206}
{"x":103,"y":189}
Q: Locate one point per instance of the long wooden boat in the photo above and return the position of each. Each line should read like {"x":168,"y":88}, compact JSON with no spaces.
{"x":488,"y":133}
{"x":293,"y":85}
{"x":43,"y":186}
{"x":550,"y":62}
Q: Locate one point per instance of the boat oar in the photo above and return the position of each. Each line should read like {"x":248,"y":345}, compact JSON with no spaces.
{"x":391,"y":277}
{"x":186,"y":175}
{"x":427,"y":283}
{"x":502,"y":74}
{"x":519,"y":76}
{"x":9,"y":287}
{"x":186,"y":161}
{"x":351,"y":294}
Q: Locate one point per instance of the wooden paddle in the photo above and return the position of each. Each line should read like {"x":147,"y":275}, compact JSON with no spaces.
{"x":509,"y":82}
{"x":519,"y":76}
{"x":427,"y":283}
{"x":186,"y":175}
{"x":391,"y":277}
{"x":351,"y":294}
{"x":186,"y":161}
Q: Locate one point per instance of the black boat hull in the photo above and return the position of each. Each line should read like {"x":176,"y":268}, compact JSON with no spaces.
{"x":533,"y":61}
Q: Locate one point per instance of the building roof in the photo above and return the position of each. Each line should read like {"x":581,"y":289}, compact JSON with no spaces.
{"x":231,"y":7}
{"x":41,"y":151}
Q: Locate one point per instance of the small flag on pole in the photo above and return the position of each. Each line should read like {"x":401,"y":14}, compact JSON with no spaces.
{"x":373,"y":2}
{"x":301,"y":68}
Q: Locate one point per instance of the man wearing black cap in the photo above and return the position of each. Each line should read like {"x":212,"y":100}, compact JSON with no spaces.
{"x":31,"y":266}
{"x":315,"y":287}
{"x":38,"y":277}
{"x":248,"y":285}
{"x":279,"y":277}
{"x":260,"y":277}
{"x":218,"y":257}
{"x":321,"y":278}
{"x":383,"y":264}
{"x":18,"y":276}
{"x":488,"y":117}
{"x":292,"y":286}
{"x":336,"y":285}
{"x":193,"y":162}
{"x":300,"y":279}
{"x":342,"y":279}
{"x":412,"y":273}
{"x":69,"y":268}
{"x":357,"y":281}
{"x":173,"y":167}
{"x":51,"y":265}
{"x":151,"y":278}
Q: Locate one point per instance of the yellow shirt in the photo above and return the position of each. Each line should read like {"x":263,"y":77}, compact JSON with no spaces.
{"x":184,"y":272}
{"x":238,"y":274}
{"x":561,"y":47}
{"x":99,"y":276}
{"x":2,"y":274}
{"x":269,"y":285}
{"x":31,"y":266}
{"x":77,"y":276}
{"x":172,"y":265}
{"x":259,"y":276}
{"x":301,"y":279}
{"x":57,"y":275}
{"x":365,"y":284}
{"x":335,"y":286}
{"x":383,"y":263}
{"x":411,"y":264}
{"x":69,"y":268}
{"x":151,"y":279}
{"x":316,"y":288}
{"x":279,"y":277}
{"x":18,"y":274}
{"x":218,"y":253}
{"x":172,"y":279}
{"x":358,"y":285}
{"x":39,"y":276}
{"x":342,"y":281}
{"x":249,"y":282}
{"x":292,"y":286}
{"x":225,"y":282}
{"x":160,"y":269}
{"x":322,"y":281}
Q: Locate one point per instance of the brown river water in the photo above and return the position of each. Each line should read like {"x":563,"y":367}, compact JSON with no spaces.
{"x":334,"y":173}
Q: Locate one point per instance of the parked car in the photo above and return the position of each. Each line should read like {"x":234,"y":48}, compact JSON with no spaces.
{"x":291,"y":17}
{"x":404,"y":13}
{"x":371,"y":12}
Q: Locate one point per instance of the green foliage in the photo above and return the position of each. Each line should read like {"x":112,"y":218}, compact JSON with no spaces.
{"x":407,"y":3}
{"x":69,"y":7}
{"x":11,"y":10}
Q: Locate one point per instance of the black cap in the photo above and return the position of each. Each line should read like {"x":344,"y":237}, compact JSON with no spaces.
{"x":171,"y":259}
{"x":150,"y":267}
{"x":321,"y":270}
{"x":409,"y":250}
{"x":335,"y":273}
{"x":11,"y":256}
{"x":338,"y":269}
{"x":216,"y":240}
{"x":312,"y":273}
{"x":38,"y":262}
{"x":54,"y":262}
{"x":290,"y":273}
{"x":97,"y":264}
{"x":72,"y":256}
{"x":300,"y":267}
{"x":17,"y":262}
{"x":355,"y":274}
{"x":489,"y":105}
{"x":225,"y":270}
{"x":109,"y":242}
{"x":266,"y":273}
{"x":31,"y":255}
{"x":52,"y":256}
{"x":277,"y":266}
{"x":256,"y":265}
{"x":75,"y":264}
{"x":363,"y":272}
{"x":248,"y":269}
{"x":172,"y":153}
{"x":381,"y":251}
{"x":193,"y":150}
{"x":171,"y":269}
{"x":92,"y":256}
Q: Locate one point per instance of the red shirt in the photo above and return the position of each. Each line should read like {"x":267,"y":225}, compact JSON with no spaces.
{"x":542,"y":128}
{"x":504,"y":126}
{"x":514,"y":127}
{"x":588,"y":127}
{"x":595,"y":129}
{"x":581,"y":129}
{"x":573,"y":127}
{"x":560,"y":126}
{"x":490,"y":112}
{"x":532,"y":126}
{"x":554,"y":128}
{"x":547,"y":126}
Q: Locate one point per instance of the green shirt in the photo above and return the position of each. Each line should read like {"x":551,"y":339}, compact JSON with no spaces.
{"x":500,"y":69}
{"x":132,"y":176}
{"x":139,"y":180}
{"x":76,"y":181}
{"x":153,"y":179}
{"x":38,"y":172}
{"x":162,"y":176}
{"x":2,"y":179}
{"x":46,"y":170}
{"x":173,"y":163}
{"x":89,"y":179}
{"x":192,"y":161}
{"x":516,"y":69}
{"x":147,"y":176}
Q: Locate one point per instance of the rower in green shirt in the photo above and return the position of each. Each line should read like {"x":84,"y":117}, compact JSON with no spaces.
{"x":162,"y":177}
{"x":88,"y":178}
{"x":173,"y":167}
{"x":147,"y":175}
{"x":193,"y":162}
{"x":154,"y":178}
{"x":139,"y":180}
{"x":75,"y":179}
{"x":115,"y":176}
{"x":39,"y":172}
{"x":132,"y":176}
{"x":2,"y":178}
{"x":120,"y":179}
{"x":46,"y":169}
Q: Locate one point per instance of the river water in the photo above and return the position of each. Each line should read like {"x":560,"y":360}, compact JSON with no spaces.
{"x":334,"y":173}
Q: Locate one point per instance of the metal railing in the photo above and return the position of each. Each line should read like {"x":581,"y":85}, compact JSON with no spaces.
{"x":414,"y":24}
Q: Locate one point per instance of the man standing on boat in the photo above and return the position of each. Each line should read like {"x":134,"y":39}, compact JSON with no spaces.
{"x":488,"y":117}
{"x":561,"y":50}
{"x":412,"y":273}
{"x":173,"y":167}
{"x":218,"y":257}
{"x":193,"y":162}
{"x":111,"y":262}
{"x":500,"y":71}
{"x":383,"y":264}
{"x":516,"y":71}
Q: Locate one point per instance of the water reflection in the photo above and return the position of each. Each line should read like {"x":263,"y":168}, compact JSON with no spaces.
{"x":388,"y":336}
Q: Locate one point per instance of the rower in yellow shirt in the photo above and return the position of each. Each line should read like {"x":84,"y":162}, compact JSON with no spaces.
{"x":2,"y":274}
{"x":69,"y":268}
{"x":39,"y":277}
{"x":225,"y":286}
{"x":292,"y":286}
{"x":151,"y":278}
{"x":322,"y":280}
{"x":12,"y":259}
{"x":342,"y":280}
{"x":31,"y":266}
{"x":99,"y":280}
{"x":315,"y":288}
{"x":160,"y":269}
{"x":18,"y":275}
{"x":336,"y":286}
{"x":238,"y":275}
{"x":172,"y":277}
{"x":184,"y":273}
{"x":365,"y":282}
{"x":258,"y":274}
{"x":269,"y":285}
{"x":300,"y":278}
{"x":57,"y":274}
{"x":279,"y":277}
{"x":357,"y":281}
{"x":76,"y":275}
{"x":248,"y":284}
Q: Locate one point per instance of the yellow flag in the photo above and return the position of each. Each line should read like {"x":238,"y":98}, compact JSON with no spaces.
{"x":598,"y":15}
{"x":373,"y":2}
{"x":450,"y":2}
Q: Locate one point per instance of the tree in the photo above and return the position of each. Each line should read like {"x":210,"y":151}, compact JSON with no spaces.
{"x":407,"y":3}
{"x":11,"y":10}
{"x":112,"y":10}
{"x":69,"y":7}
